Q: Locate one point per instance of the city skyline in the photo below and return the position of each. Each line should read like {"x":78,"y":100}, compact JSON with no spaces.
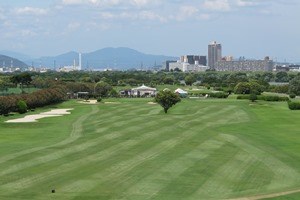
{"x":249,"y":28}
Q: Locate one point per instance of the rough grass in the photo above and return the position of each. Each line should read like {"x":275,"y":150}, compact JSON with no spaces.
{"x":201,"y":149}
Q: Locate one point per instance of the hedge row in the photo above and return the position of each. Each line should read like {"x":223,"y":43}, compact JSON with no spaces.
{"x":264,"y":98}
{"x":210,"y":94}
{"x":218,"y":95}
{"x":293,"y":105}
{"x":36,"y":99}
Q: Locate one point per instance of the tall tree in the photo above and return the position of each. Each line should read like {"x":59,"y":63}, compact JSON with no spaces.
{"x":167,"y":99}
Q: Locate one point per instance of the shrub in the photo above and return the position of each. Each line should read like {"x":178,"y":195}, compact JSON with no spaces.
{"x":218,"y":95}
{"x":294,"y":105}
{"x":22,"y":107}
{"x":99,"y":99}
{"x":274,"y":98}
{"x":243,"y":97}
{"x":292,"y":95}
{"x":252,"y":97}
{"x":264,"y":98}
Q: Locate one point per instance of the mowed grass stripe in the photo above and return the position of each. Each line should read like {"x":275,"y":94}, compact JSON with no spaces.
{"x":225,"y":178}
{"x":184,"y":161}
{"x":153,"y":183}
{"x":190,"y":180}
{"x":75,"y":134}
{"x":119,"y":170}
{"x":284,"y":175}
{"x":26,"y":181}
{"x":79,"y":147}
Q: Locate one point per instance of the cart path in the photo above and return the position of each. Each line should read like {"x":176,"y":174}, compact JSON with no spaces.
{"x":267,"y":196}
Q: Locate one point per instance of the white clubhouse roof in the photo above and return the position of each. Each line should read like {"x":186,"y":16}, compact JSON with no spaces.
{"x":143,"y":87}
{"x":180,"y":91}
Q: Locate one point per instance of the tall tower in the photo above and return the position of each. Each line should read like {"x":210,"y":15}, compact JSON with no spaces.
{"x":214,"y":53}
{"x":79,"y":64}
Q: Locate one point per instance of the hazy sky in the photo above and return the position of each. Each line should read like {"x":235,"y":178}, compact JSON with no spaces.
{"x":250,"y":28}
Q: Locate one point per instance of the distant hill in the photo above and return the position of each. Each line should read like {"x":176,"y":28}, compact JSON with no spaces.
{"x":115,"y":58}
{"x":6,"y":61}
{"x":16,"y":55}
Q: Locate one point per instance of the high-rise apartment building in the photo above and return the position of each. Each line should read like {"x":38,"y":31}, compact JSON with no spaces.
{"x":214,"y":53}
{"x":193,"y":59}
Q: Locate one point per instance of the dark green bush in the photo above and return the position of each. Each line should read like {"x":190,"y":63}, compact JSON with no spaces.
{"x":99,"y":99}
{"x":253,"y":97}
{"x":246,"y":96}
{"x":292,"y":95}
{"x":293,"y":105}
{"x":275,"y":98}
{"x":22,"y":107}
{"x":218,"y":95}
{"x":264,"y":98}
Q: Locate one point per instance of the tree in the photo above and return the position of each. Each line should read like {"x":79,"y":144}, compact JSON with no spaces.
{"x":282,"y":77}
{"x":253,"y":97}
{"x":103,"y":89}
{"x":189,"y":79}
{"x":248,"y":87}
{"x":242,"y":88}
{"x":294,"y":86}
{"x":167,"y":99}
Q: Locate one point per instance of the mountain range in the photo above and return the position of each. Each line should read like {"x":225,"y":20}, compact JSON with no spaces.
{"x":7,"y":61}
{"x":121,"y":58}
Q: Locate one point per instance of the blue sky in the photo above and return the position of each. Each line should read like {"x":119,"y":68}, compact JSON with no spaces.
{"x":250,"y":28}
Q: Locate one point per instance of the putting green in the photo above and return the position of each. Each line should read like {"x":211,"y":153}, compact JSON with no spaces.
{"x":201,"y":149}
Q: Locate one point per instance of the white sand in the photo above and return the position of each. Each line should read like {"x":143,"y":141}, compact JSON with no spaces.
{"x":108,"y":102}
{"x":35,"y":117}
{"x":89,"y":102}
{"x":152,"y":103}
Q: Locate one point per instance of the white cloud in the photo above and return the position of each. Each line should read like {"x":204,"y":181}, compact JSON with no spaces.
{"x":204,"y":17}
{"x":186,"y":12}
{"x":73,"y":25}
{"x":245,"y":3}
{"x":30,"y":11}
{"x":72,"y":2}
{"x":133,"y":16}
{"x":217,"y":5}
{"x":107,"y":15}
{"x":92,"y":2}
{"x":28,"y":33}
{"x":140,"y":2}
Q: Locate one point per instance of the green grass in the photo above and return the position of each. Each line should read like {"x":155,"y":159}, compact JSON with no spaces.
{"x":201,"y":149}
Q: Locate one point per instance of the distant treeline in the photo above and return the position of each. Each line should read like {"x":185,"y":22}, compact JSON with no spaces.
{"x":36,"y":99}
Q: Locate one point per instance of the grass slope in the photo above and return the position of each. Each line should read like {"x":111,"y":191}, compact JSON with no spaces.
{"x":202,"y":149}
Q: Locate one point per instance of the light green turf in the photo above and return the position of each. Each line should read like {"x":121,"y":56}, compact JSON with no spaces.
{"x":130,"y":149}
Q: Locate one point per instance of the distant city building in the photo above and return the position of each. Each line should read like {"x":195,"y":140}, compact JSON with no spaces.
{"x":214,"y":54}
{"x":245,"y":65}
{"x":281,"y":68}
{"x":203,"y":60}
{"x":187,"y":67}
{"x":192,"y":59}
{"x":294,"y":68}
{"x":166,"y":64}
{"x":228,"y":58}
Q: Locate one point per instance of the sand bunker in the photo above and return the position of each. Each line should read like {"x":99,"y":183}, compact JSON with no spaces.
{"x":35,"y":117}
{"x":152,"y":103}
{"x":89,"y":102}
{"x":108,"y":102}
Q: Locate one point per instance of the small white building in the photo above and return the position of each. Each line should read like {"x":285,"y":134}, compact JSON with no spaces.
{"x":144,"y":91}
{"x":181,"y":92}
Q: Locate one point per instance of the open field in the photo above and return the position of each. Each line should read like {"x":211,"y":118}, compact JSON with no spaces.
{"x":202,"y":149}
